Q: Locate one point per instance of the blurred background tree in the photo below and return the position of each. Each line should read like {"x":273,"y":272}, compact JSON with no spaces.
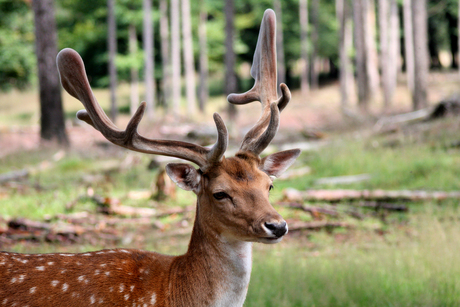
{"x":374,"y":50}
{"x":17,"y":60}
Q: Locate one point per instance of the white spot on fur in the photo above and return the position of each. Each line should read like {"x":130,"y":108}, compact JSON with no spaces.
{"x":126,"y":297}
{"x":32,"y":290}
{"x":65,"y":287}
{"x":21,"y":277}
{"x":103,"y":265}
{"x":153,"y":299}
{"x":81,"y":278}
{"x":131,"y":288}
{"x":54,"y":283}
{"x":40,"y":268}
{"x":111,"y":251}
{"x":63,"y":271}
{"x":111,"y":289}
{"x":101,"y":300}
{"x":107,"y":273}
{"x":5,"y":301}
{"x":122,"y":287}
{"x":67,"y":255}
{"x":92,"y":299}
{"x":125,"y":251}
{"x":97,"y":272}
{"x":100,"y":253}
{"x":86,"y":254}
{"x":13,"y":280}
{"x":50,"y":263}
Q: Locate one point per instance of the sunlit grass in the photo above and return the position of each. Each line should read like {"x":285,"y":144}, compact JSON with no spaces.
{"x":416,"y":268}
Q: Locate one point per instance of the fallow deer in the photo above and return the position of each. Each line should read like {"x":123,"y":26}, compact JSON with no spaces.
{"x":233,"y":210}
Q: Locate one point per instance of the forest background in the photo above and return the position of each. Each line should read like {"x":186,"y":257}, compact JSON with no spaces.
{"x":375,"y":105}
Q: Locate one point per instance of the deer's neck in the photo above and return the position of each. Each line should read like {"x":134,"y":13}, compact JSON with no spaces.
{"x":219,"y":268}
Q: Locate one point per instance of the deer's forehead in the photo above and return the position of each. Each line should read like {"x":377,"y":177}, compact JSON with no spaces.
{"x":238,"y":171}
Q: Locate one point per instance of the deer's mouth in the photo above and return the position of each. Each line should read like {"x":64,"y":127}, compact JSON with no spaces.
{"x":270,"y":240}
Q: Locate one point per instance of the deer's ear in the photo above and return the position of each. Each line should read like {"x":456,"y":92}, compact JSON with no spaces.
{"x":275,"y":164}
{"x":184,"y":175}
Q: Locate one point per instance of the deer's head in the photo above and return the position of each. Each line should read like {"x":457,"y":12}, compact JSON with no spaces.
{"x":233,"y":193}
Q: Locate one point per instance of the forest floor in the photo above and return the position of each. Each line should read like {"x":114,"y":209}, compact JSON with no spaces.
{"x":339,"y":253}
{"x":319,"y":111}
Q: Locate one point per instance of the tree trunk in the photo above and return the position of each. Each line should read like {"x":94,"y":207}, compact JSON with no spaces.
{"x":361,"y":56}
{"x":385,"y":51}
{"x":314,"y":42}
{"x":188,"y":58}
{"x":112,"y":44}
{"x":345,"y":45}
{"x":134,"y":71}
{"x":175,"y":56}
{"x":52,"y":118}
{"x":204,"y":88}
{"x":433,"y":46}
{"x":303,"y":16}
{"x":279,"y":44}
{"x":149,"y":60}
{"x":452,"y":31}
{"x":393,"y":46}
{"x":230,"y":58}
{"x":371,"y":49}
{"x":408,"y":44}
{"x":165,"y":59}
{"x":419,"y":23}
{"x":390,"y":48}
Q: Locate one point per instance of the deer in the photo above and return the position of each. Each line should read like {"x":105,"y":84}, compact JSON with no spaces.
{"x":233,"y":210}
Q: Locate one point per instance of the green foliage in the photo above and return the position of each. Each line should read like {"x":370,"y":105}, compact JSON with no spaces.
{"x":82,"y":25}
{"x":17,"y":59}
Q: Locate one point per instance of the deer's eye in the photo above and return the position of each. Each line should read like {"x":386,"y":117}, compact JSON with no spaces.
{"x":220,"y":195}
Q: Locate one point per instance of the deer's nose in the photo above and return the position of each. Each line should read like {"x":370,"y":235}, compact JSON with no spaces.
{"x":278,"y":228}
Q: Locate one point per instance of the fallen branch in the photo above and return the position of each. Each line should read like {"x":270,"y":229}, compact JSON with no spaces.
{"x":315,"y":225}
{"x":313,"y":210}
{"x":14,"y":175}
{"x":374,"y":195}
{"x":385,"y":206}
{"x":402,"y":118}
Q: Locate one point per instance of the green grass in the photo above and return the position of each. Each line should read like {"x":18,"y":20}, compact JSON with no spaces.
{"x":410,"y":166}
{"x":417,"y":266}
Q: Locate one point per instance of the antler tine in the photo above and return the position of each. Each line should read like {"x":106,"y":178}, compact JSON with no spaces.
{"x":264,"y":140}
{"x":264,"y":72}
{"x":73,"y":78}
